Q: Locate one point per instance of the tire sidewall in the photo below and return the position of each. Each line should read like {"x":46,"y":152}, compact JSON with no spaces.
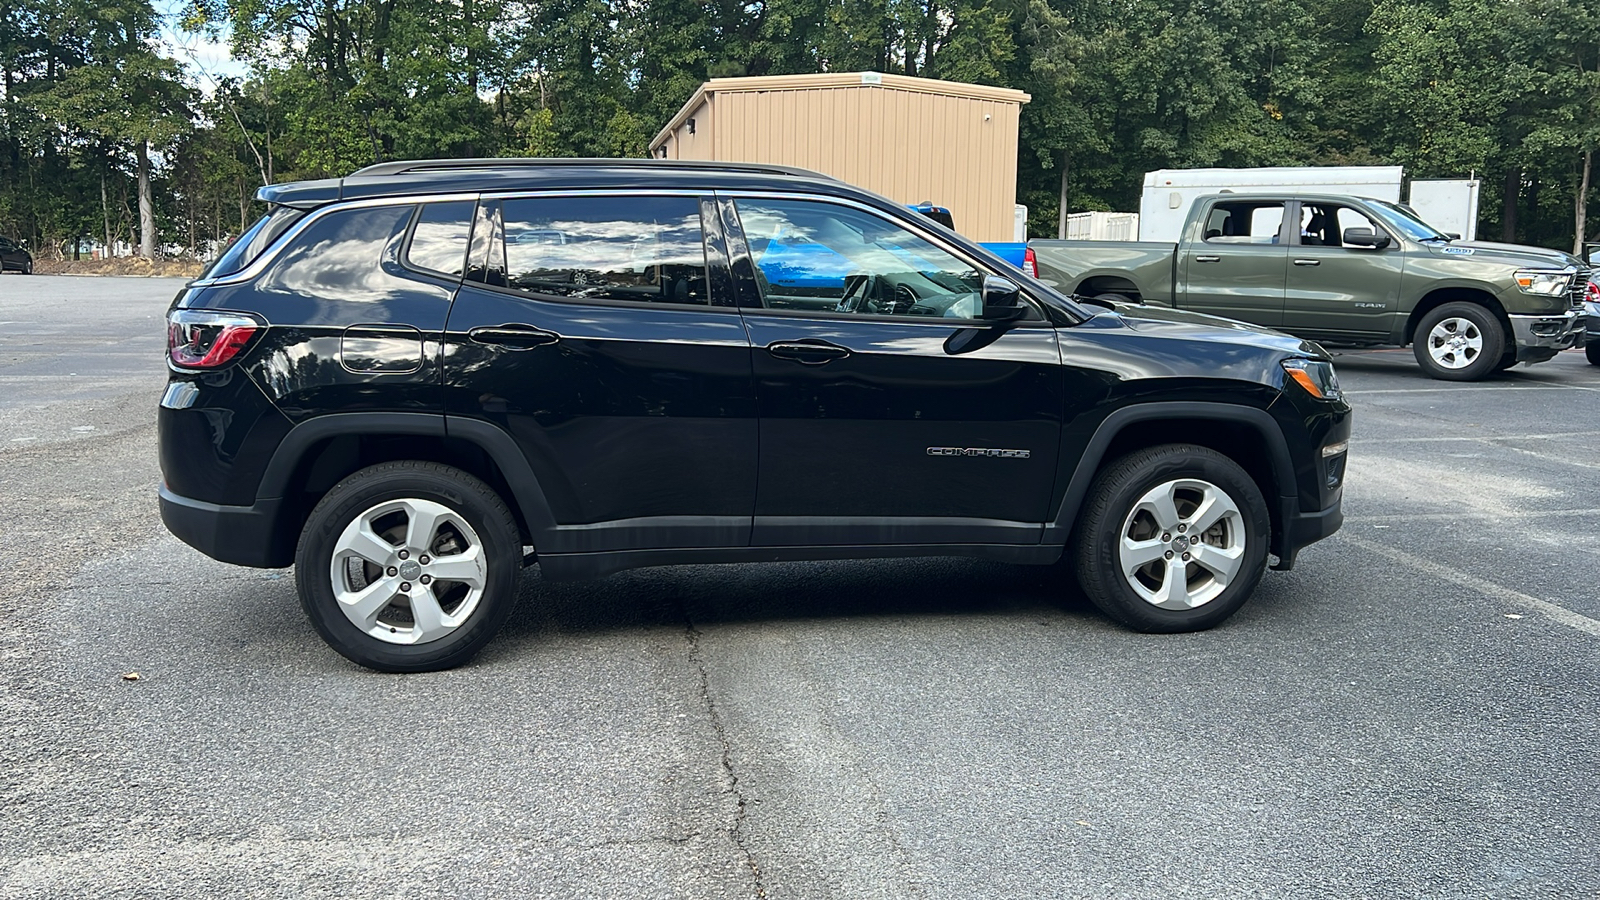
{"x":464,"y":495}
{"x":1100,"y":563}
{"x":1487,"y":363}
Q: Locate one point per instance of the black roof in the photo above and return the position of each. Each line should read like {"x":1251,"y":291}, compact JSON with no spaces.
{"x":446,"y":176}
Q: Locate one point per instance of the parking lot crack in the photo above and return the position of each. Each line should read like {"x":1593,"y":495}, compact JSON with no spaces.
{"x":730,"y":777}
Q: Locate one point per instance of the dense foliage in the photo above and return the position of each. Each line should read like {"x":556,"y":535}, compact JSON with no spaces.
{"x":92,"y":110}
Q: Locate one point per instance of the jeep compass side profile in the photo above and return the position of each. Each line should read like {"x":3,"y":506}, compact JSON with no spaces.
{"x":413,"y":381}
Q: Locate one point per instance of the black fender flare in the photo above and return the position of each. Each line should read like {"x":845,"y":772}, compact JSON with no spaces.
{"x":525,"y":489}
{"x":1287,"y":502}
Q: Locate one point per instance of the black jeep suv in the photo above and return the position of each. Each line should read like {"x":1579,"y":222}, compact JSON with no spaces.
{"x":413,"y":381}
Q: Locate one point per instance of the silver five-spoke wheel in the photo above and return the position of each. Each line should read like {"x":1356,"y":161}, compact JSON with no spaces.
{"x":1182,"y":544}
{"x":408,"y":571}
{"x":1455,"y":343}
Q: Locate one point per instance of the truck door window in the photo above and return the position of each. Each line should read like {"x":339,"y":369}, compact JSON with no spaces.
{"x":1325,"y":225}
{"x":1244,"y":223}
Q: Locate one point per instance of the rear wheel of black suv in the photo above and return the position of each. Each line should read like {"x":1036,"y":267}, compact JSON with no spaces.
{"x":1173,"y":538}
{"x":409,"y":566}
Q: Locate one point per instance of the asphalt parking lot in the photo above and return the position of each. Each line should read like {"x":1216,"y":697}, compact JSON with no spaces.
{"x":1410,"y":712}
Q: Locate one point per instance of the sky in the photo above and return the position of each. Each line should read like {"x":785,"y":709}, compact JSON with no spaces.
{"x":205,"y":59}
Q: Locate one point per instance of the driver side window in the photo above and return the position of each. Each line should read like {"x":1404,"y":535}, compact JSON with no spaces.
{"x":828,"y":258}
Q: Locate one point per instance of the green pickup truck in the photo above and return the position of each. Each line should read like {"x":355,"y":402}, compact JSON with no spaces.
{"x":1345,"y":271}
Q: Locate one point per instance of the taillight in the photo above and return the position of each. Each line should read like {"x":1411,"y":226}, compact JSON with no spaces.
{"x":199,"y":339}
{"x":1592,"y":292}
{"x":1030,"y":263}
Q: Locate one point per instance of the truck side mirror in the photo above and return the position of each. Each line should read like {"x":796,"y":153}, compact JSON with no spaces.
{"x":1002,"y":300}
{"x":1365,"y":237}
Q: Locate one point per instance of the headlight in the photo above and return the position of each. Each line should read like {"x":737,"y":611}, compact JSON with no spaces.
{"x":1315,"y":375}
{"x":1544,"y":282}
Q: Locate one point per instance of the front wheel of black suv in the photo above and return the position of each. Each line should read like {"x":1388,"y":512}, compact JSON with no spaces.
{"x":1459,"y":342}
{"x":408,"y":566}
{"x":1173,"y":539}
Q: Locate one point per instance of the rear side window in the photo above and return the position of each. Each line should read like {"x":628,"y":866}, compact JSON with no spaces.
{"x":638,"y":249}
{"x":341,"y":255}
{"x":439,"y":238}
{"x":257,"y":238}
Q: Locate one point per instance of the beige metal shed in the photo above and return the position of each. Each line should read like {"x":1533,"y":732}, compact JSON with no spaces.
{"x":910,"y":139}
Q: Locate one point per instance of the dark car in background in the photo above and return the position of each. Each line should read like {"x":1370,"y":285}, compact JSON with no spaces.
{"x":1591,"y":315}
{"x":14,"y":257}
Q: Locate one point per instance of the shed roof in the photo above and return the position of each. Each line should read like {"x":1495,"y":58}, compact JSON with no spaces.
{"x":836,"y":80}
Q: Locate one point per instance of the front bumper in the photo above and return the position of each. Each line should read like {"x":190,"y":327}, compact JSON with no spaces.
{"x":242,"y":535}
{"x":1539,"y":338}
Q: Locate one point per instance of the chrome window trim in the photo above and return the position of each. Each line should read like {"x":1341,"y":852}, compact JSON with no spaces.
{"x":271,"y":254}
{"x":910,"y":225}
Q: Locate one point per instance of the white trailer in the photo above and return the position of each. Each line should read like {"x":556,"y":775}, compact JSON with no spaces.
{"x":1168,"y":193}
{"x":1103,"y":226}
{"x":1450,"y":205}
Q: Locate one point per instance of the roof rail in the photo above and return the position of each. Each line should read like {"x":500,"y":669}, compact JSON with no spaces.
{"x":400,"y":167}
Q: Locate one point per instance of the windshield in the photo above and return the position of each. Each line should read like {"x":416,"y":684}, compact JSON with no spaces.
{"x":1406,"y":222}
{"x":258,"y":237}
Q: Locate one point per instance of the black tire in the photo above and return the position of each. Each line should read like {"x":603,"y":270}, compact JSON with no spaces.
{"x":1478,"y":364}
{"x":1507,"y":360}
{"x":27,"y":267}
{"x":419,"y":484}
{"x":1113,"y":505}
{"x":1593,"y":352}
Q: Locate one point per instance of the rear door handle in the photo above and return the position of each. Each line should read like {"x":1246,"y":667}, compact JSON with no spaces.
{"x":1208,"y":259}
{"x":811,"y":354}
{"x":1308,"y":262}
{"x":516,"y":336}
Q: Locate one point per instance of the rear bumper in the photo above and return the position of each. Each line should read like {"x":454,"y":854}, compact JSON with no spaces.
{"x":1541,"y":337}
{"x":241,"y":535}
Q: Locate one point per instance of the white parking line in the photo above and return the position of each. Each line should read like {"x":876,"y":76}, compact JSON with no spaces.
{"x":1522,"y":515}
{"x":1559,"y":614}
{"x":1473,"y":387}
{"x":1479,"y":437}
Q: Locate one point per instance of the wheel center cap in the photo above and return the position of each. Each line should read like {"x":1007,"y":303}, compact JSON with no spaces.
{"x":1180,"y":543}
{"x":410,"y":570}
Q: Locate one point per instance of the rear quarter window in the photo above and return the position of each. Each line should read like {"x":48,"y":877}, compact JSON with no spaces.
{"x":439,"y":238}
{"x":342,"y":255}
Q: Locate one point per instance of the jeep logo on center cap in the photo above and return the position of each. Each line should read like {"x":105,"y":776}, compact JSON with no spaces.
{"x":410,"y":569}
{"x":1180,"y":543}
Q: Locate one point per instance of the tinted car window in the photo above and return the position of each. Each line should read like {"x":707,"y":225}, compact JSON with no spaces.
{"x":256,"y":239}
{"x":439,"y":237}
{"x":641,"y":249}
{"x":340,"y":256}
{"x":830,"y":258}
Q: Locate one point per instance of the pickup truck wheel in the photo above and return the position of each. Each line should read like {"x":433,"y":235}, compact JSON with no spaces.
{"x":1114,"y":297}
{"x":1174,"y":539}
{"x":408,"y":566}
{"x":1459,"y":342}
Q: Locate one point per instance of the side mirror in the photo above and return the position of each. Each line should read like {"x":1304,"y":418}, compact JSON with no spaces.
{"x":1452,"y":235}
{"x":1002,"y":300}
{"x":1365,"y":237}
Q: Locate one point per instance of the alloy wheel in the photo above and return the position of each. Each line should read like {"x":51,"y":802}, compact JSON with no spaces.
{"x":1182,"y":544}
{"x":408,"y":571}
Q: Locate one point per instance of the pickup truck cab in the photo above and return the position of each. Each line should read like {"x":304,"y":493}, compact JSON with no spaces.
{"x":1345,"y":271}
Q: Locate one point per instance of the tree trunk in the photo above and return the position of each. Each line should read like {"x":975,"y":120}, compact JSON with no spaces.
{"x":147,"y":209}
{"x":1510,"y":194}
{"x":1581,"y":205}
{"x":1061,"y":216}
{"x":105,"y":212}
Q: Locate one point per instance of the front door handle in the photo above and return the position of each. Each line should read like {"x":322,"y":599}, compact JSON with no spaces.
{"x":810,"y":354}
{"x":515,"y":335}
{"x":1208,"y":259}
{"x":1308,"y":262}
